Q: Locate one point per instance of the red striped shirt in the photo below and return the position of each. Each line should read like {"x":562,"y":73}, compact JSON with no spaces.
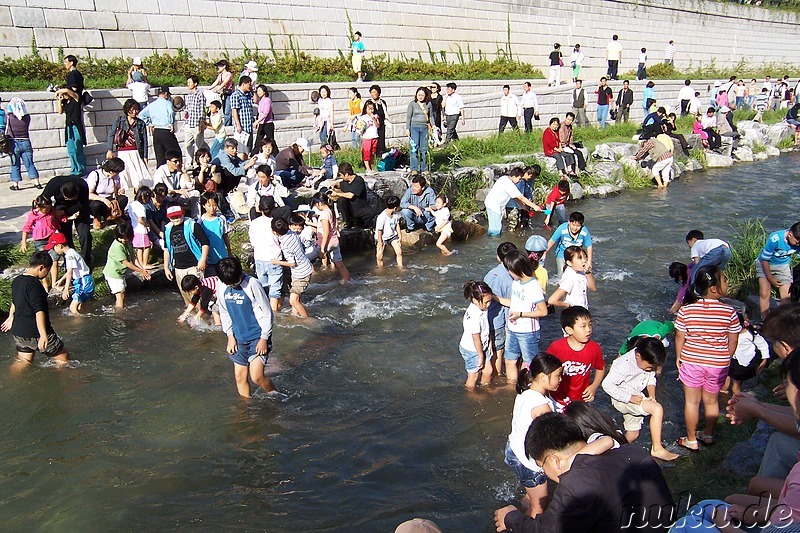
{"x":210,"y":282}
{"x":706,"y":325}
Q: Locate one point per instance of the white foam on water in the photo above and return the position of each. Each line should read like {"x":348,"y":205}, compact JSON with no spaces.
{"x":641,"y":311}
{"x":200,"y":324}
{"x":506,"y":492}
{"x":618,"y":275}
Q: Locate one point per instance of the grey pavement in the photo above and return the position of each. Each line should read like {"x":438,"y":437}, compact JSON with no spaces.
{"x":14,"y":208}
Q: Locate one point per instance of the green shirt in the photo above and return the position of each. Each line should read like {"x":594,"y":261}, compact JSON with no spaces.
{"x":117,"y":253}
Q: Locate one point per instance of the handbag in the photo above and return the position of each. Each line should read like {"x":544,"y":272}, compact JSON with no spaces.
{"x":121,"y":135}
{"x":560,"y":62}
{"x":332,"y":140}
{"x":6,"y":144}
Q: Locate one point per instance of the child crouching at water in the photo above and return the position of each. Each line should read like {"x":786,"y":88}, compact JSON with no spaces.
{"x":706,"y":338}
{"x":203,"y":298}
{"x":474,"y":346}
{"x":118,"y":260}
{"x":631,"y":374}
{"x":78,"y":274}
{"x":247,"y":320}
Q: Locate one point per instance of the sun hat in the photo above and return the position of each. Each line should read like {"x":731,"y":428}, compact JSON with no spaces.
{"x":302,"y":143}
{"x":251,"y":65}
{"x":137,"y":61}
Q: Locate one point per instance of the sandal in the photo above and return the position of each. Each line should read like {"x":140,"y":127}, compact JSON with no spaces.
{"x":708,"y":440}
{"x":14,"y":187}
{"x":690,"y":445}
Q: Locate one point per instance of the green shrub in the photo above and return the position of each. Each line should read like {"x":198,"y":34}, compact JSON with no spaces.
{"x":746,"y":243}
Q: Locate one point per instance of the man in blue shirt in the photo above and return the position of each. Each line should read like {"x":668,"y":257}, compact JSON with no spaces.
{"x":414,"y":203}
{"x":773,"y":267}
{"x":233,"y":168}
{"x":570,"y":233}
{"x":653,"y":124}
{"x":159,"y":115}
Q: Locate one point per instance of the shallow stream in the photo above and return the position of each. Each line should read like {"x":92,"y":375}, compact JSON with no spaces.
{"x":146,"y":432}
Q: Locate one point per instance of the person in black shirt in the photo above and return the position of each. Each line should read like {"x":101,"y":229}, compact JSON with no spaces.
{"x":74,"y":77}
{"x":68,"y":102}
{"x":29,"y":316}
{"x":186,"y":248}
{"x":351,"y":199}
{"x":620,"y":490}
{"x":70,"y":198}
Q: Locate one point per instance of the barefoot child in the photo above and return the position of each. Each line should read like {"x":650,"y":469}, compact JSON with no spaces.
{"x":247,"y":320}
{"x":706,"y":338}
{"x":474,"y":344}
{"x":78,"y":274}
{"x":579,"y":355}
{"x":203,"y":298}
{"x":441,"y":216}
{"x":751,"y":357}
{"x":295,"y":258}
{"x":533,"y":400}
{"x":40,"y":224}
{"x":630,"y":374}
{"x":119,"y":259}
{"x":29,"y":316}
{"x":328,"y":235}
{"x":216,"y":228}
{"x":575,"y":281}
{"x":500,"y":281}
{"x":525,"y":307}
{"x":138,"y":215}
{"x":386,"y":231}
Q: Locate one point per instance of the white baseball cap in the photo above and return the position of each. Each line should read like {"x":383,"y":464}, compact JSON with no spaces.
{"x":137,"y":61}
{"x":252,"y":65}
{"x":302,"y":143}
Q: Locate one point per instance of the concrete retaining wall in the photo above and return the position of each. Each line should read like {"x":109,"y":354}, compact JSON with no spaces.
{"x":701,"y":29}
{"x":293,"y":114}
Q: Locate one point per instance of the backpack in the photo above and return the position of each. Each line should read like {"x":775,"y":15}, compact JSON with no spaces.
{"x":86,"y":98}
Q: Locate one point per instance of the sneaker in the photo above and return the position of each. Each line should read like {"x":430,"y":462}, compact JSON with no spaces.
{"x":230,"y":219}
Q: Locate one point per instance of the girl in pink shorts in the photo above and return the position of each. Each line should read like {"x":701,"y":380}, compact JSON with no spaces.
{"x":705,"y":340}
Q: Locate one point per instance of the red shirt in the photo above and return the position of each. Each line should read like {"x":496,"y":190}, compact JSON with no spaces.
{"x":557,"y":197}
{"x":550,"y":141}
{"x":577,"y":367}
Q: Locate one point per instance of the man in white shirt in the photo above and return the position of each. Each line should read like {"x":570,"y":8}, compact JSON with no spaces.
{"x":509,"y":109}
{"x":453,"y":109}
{"x":503,"y":191}
{"x":669,"y":53}
{"x":530,"y":105}
{"x":613,"y":56}
{"x":685,"y":95}
{"x":694,"y":104}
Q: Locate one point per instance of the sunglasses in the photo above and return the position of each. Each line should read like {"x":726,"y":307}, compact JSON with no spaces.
{"x":177,"y":161}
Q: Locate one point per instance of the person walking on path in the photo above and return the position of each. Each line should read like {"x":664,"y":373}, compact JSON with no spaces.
{"x":613,"y":56}
{"x":576,"y":61}
{"x":357,"y":46}
{"x":669,"y":53}
{"x":624,"y":101}
{"x":509,"y":109}
{"x":530,"y":106}
{"x":605,"y":99}
{"x":453,"y":109}
{"x":556,"y":62}
{"x":18,"y":120}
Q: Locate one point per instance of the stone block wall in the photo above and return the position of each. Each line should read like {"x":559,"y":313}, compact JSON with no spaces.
{"x":703,"y":30}
{"x":294,"y":114}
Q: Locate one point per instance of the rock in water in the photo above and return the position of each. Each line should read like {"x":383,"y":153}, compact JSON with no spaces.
{"x":779,"y":132}
{"x":772,"y":151}
{"x":602,"y":152}
{"x":743,"y":153}
{"x":466,"y":229}
{"x":760,"y":156}
{"x":417,"y":238}
{"x":575,"y":190}
{"x":715,"y":160}
{"x":693,"y":165}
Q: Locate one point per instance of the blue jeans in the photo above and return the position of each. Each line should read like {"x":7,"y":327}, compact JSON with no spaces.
{"x":521,"y":344}
{"x":23,"y":154}
{"x":355,"y":140}
{"x":226,"y":113}
{"x":216,"y":147}
{"x":323,"y":134}
{"x":527,"y":477}
{"x":419,"y":148}
{"x":719,"y":257}
{"x":698,"y":518}
{"x":77,"y":161}
{"x":414,"y":222}
{"x":290,"y":178}
{"x":602,"y":115}
{"x":495,"y":222}
{"x":271,"y":278}
{"x":739,"y":102}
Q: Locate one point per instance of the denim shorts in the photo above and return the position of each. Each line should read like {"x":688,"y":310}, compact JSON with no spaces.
{"x":527,"y":477}
{"x":498,"y":338}
{"x":470,"y":360}
{"x":271,"y":278}
{"x":246,"y":352}
{"x":335,"y":254}
{"x":521,"y":344}
{"x":84,"y":288}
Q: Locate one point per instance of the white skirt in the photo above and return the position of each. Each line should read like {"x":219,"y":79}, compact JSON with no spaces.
{"x":135,"y":172}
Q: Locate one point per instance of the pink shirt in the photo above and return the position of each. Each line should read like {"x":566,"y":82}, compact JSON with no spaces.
{"x":39,"y":225}
{"x":789,"y":510}
{"x":265,"y":110}
{"x":327,"y":214}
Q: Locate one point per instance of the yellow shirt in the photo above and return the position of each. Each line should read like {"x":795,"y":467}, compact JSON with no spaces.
{"x":355,"y":107}
{"x":541,"y":276}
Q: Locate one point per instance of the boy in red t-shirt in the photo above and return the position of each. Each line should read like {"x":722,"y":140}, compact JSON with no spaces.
{"x":579,"y":356}
{"x":555,"y":203}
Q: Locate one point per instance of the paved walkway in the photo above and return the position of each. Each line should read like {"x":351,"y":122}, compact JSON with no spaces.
{"x":14,"y":207}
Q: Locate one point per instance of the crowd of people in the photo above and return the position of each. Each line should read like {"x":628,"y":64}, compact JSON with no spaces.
{"x":185,"y":209}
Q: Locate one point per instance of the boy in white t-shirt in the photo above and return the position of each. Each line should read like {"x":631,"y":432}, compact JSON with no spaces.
{"x":387,"y":231}
{"x":707,"y":252}
{"x":78,"y":274}
{"x":502,"y":192}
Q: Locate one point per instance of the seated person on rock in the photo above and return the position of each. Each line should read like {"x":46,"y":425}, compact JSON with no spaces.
{"x":415,"y":203}
{"x":653,"y":124}
{"x":350,"y":195}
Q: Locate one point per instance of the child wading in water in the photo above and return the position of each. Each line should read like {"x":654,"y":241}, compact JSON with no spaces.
{"x":533,"y":400}
{"x":247,"y":320}
{"x":706,"y":338}
{"x":526,"y":306}
{"x":138,"y":215}
{"x":40,"y":224}
{"x":29,"y":316}
{"x":575,"y":281}
{"x":441,"y":214}
{"x":387,"y":228}
{"x":474,"y":346}
{"x":78,"y":274}
{"x":119,"y":259}
{"x":631,"y":374}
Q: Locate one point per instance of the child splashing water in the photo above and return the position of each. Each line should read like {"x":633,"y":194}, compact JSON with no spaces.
{"x":526,"y":306}
{"x":533,"y":400}
{"x":706,"y":338}
{"x":474,"y":346}
{"x":441,"y":215}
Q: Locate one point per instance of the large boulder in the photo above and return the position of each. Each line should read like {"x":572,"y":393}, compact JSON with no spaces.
{"x":575,"y":190}
{"x":603,"y":152}
{"x":743,"y":153}
{"x":749,"y":125}
{"x":467,"y":229}
{"x":388,"y":184}
{"x":623,"y":149}
{"x":693,"y":165}
{"x":777,"y":133}
{"x":715,"y":160}
{"x":417,"y":238}
{"x":751,"y":137}
{"x":677,"y":170}
{"x":488,"y":176}
{"x":585,"y":152}
{"x":480,"y":195}
{"x":607,"y":171}
{"x":772,"y":151}
{"x":760,"y":156}
{"x":548,"y":163}
{"x":694,"y":141}
{"x":356,"y":239}
{"x":501,"y":169}
{"x":602,"y":190}
{"x":466,"y":172}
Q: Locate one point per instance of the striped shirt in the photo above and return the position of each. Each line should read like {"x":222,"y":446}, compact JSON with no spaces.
{"x":293,"y":252}
{"x":210,"y":282}
{"x":706,"y":325}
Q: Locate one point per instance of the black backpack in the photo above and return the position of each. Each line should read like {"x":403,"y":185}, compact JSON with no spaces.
{"x":6,"y":144}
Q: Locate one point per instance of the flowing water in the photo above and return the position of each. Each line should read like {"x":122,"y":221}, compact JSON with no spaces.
{"x":146,"y":431}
